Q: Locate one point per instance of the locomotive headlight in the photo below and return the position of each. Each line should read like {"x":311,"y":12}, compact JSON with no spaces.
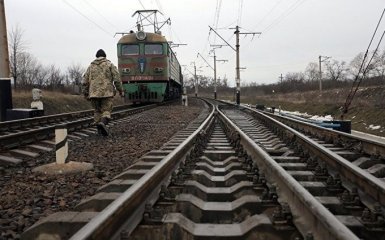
{"x":140,"y":35}
{"x":126,"y":70}
{"x":158,"y":69}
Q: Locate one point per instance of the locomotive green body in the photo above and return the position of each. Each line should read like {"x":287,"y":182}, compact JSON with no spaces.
{"x":149,"y":69}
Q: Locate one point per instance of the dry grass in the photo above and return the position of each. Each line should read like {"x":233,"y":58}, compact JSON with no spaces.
{"x":367,"y":107}
{"x":55,"y":102}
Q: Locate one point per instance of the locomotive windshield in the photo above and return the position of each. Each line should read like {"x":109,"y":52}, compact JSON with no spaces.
{"x":153,"y":49}
{"x":130,"y":50}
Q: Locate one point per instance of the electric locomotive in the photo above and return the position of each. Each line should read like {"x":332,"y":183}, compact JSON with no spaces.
{"x":148,"y":67}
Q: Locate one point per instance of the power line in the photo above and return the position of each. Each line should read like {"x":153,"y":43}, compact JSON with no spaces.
{"x":208,"y":64}
{"x":286,"y":13}
{"x":240,"y":8}
{"x":83,"y":15}
{"x":159,"y":5}
{"x":142,"y":4}
{"x":264,"y":17}
{"x":100,"y":14}
{"x":217,"y":13}
{"x":357,"y":79}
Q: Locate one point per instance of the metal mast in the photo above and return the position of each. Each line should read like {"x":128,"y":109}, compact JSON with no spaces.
{"x":149,"y":18}
{"x":5,"y":81}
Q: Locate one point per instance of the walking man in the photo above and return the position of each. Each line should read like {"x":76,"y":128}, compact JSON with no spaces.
{"x":100,"y":83}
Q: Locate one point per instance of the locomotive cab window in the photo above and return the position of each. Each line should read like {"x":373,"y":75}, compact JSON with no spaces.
{"x":150,"y":49}
{"x":130,"y":50}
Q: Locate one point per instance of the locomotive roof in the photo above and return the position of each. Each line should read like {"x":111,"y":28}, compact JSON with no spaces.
{"x":150,"y":37}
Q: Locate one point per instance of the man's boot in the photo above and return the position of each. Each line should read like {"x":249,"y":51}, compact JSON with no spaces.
{"x":102,"y":126}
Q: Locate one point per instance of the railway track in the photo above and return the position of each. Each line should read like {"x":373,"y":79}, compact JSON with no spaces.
{"x":232,"y":174}
{"x":26,"y":137}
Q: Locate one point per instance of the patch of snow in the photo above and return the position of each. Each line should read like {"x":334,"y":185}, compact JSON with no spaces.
{"x":372,"y":127}
{"x":322,"y":118}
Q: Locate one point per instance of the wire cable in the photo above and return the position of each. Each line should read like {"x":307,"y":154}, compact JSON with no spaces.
{"x":357,"y":79}
{"x":285,"y":14}
{"x":142,"y":4}
{"x":89,"y":19}
{"x":159,"y":5}
{"x":264,"y":17}
{"x":240,"y":8}
{"x":100,"y":14}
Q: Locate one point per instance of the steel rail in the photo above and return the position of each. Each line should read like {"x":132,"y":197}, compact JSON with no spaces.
{"x":127,"y":210}
{"x":25,"y":137}
{"x":366,"y":182}
{"x":365,"y":145}
{"x":309,"y":213}
{"x":50,"y":119}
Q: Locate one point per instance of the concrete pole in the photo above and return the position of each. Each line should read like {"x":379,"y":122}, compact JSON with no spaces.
{"x":5,"y":81}
{"x":215,"y":76}
{"x":61,"y":144}
{"x":237,"y":68}
{"x":320,"y":75}
{"x":196,"y":80}
{"x":4,"y":61}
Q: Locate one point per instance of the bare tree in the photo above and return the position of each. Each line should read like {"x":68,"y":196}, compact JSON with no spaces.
{"x":356,"y":64}
{"x":335,"y":70}
{"x":75,"y":73}
{"x":225,"y":81}
{"x":25,"y":65}
{"x":295,"y":77}
{"x":17,"y":46}
{"x":311,"y":72}
{"x":55,"y":78}
{"x":379,"y":65}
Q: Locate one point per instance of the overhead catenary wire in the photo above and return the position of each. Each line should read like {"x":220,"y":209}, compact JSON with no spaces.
{"x":216,"y":16}
{"x":268,"y":14}
{"x":159,"y":5}
{"x":85,"y":16}
{"x":358,"y":79}
{"x":100,"y":14}
{"x":285,"y":14}
{"x":240,"y":8}
{"x":140,"y":2}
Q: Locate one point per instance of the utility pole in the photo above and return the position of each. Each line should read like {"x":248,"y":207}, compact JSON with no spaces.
{"x":5,"y":81}
{"x":320,"y":71}
{"x":237,"y":68}
{"x":196,"y":80}
{"x":215,"y":73}
{"x":238,"y":71}
{"x":281,"y":78}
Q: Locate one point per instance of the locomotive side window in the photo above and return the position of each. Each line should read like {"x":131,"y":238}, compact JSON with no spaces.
{"x":130,"y":50}
{"x":150,"y":49}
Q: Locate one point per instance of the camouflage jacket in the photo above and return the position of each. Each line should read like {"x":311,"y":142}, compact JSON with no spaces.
{"x":100,"y":78}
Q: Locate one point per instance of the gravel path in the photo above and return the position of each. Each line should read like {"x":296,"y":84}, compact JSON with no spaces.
{"x":26,"y":197}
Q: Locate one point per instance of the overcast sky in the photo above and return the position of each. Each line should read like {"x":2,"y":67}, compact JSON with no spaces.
{"x":294,"y":32}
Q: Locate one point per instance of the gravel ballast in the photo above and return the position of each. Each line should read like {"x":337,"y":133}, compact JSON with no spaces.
{"x":26,"y":196}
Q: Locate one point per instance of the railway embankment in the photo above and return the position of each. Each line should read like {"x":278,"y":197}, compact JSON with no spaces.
{"x":367,"y":110}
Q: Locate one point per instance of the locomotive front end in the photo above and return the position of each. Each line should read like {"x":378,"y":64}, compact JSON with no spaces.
{"x":143,"y":66}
